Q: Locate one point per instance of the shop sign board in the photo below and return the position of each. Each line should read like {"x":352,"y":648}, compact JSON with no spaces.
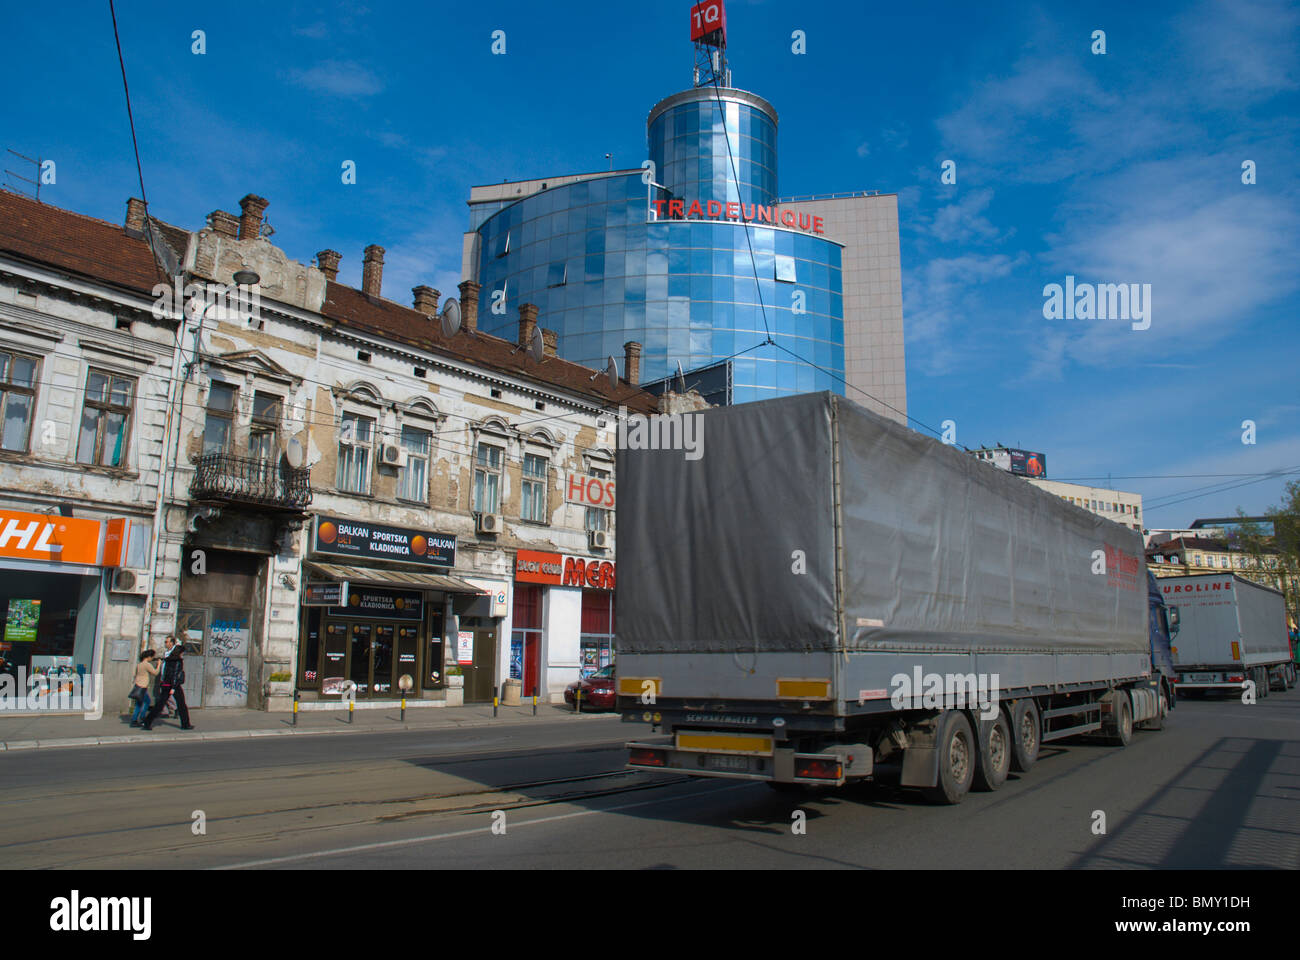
{"x":379,"y":603}
{"x":353,"y":538}
{"x":563,"y":570}
{"x":465,"y":647}
{"x":40,"y":536}
{"x":325,"y":593}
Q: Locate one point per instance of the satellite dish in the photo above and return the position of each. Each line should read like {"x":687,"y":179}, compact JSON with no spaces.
{"x":450,"y":318}
{"x":611,"y":371}
{"x":536,"y":345}
{"x":681,"y":378}
{"x":293,"y":452}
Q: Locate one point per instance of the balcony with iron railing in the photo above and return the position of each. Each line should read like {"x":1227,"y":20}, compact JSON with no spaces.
{"x":251,"y":480}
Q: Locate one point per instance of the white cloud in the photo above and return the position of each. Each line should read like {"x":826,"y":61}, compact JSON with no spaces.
{"x":942,"y":300}
{"x":342,"y":78}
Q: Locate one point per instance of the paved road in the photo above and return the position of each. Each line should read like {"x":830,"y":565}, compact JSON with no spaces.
{"x":1219,"y":787}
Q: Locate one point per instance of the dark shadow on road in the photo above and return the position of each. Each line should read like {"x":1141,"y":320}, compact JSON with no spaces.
{"x":1234,"y":807}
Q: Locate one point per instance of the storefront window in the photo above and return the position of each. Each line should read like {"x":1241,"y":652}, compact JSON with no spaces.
{"x":526,"y":637}
{"x":105,"y":419}
{"x":50,"y":623}
{"x":597,"y":639}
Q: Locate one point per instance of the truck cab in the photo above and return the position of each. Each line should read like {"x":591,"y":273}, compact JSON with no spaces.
{"x":1163,"y":627}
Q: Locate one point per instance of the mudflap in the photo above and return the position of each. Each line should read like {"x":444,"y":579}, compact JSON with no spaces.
{"x":921,"y":758}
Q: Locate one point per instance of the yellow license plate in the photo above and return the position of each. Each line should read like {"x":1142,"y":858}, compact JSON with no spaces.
{"x":724,"y":743}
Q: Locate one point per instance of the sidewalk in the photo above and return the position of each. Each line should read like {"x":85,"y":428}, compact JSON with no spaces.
{"x":38,"y":732}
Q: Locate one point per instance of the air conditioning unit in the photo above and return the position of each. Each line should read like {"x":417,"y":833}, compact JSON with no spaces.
{"x":489,"y":523}
{"x":599,"y":539}
{"x":129,"y":581}
{"x":393,"y":455}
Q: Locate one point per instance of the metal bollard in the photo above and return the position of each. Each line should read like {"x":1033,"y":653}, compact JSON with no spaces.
{"x":577,"y":699}
{"x":534,"y":701}
{"x":403,"y":708}
{"x":496,"y":700}
{"x":295,"y":706}
{"x":351,"y":709}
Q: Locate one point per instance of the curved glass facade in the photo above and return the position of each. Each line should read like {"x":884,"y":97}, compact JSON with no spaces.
{"x":688,"y":143}
{"x":603,"y":270}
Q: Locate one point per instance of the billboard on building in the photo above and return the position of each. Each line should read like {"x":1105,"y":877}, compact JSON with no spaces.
{"x":1022,"y":463}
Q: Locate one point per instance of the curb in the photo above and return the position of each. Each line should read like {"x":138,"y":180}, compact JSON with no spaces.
{"x":126,"y":739}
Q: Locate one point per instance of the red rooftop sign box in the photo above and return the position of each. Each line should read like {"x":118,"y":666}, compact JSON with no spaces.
{"x":709,"y":23}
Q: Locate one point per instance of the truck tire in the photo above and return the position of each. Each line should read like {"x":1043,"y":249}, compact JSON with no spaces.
{"x":1262,"y":684}
{"x":994,"y":755}
{"x":958,"y":751}
{"x":1119,"y":728}
{"x":1026,"y":735}
{"x":1158,"y":721}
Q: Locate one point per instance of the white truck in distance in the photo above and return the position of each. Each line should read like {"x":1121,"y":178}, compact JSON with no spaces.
{"x":1230,"y":631}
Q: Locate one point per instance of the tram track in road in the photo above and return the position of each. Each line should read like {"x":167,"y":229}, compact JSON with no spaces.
{"x":505,"y":798}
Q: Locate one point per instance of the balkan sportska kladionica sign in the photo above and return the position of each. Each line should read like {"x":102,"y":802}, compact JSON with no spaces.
{"x":372,"y":541}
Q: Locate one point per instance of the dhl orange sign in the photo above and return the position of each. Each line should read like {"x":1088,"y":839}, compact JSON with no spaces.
{"x":39,"y":536}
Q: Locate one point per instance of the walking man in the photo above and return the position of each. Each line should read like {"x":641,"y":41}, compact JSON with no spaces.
{"x":172,"y":683}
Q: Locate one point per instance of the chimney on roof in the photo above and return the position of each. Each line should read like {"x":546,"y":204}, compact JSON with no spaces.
{"x":426,"y":299}
{"x":328,"y":262}
{"x":250,"y":219}
{"x":135,"y":215}
{"x":469,"y":305}
{"x":550,"y":340}
{"x":372,"y":270}
{"x":632,"y":362}
{"x":527,"y":321}
{"x":224,"y":224}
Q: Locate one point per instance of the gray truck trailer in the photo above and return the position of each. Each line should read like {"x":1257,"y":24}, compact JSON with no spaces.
{"x":818,"y":592}
{"x":1231,"y":632}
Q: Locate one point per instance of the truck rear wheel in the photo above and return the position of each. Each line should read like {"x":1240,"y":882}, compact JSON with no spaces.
{"x":957,"y":757}
{"x":1025,"y":735}
{"x":1119,"y":728}
{"x":994,"y":755}
{"x":1158,"y":721}
{"x":1262,"y":684}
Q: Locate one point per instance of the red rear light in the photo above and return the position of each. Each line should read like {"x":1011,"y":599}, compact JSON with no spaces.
{"x":1236,"y":678}
{"x":647,"y":758}
{"x":817,"y":769}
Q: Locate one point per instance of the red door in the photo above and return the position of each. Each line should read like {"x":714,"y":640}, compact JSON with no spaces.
{"x":532,"y":649}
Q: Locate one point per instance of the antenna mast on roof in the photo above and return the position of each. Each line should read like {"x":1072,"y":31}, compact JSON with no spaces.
{"x":37,"y":163}
{"x":709,"y":34}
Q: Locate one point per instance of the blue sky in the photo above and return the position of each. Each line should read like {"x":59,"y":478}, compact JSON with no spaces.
{"x":1115,"y":168}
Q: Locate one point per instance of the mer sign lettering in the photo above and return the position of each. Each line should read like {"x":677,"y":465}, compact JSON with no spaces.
{"x":351,"y":538}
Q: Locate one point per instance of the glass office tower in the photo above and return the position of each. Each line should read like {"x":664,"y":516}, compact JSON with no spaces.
{"x":697,"y":266}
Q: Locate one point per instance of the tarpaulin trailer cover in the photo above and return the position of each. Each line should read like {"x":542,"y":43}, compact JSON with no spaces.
{"x":809,"y":524}
{"x":1220,"y":609}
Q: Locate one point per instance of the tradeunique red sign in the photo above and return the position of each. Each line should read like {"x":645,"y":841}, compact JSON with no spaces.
{"x":743,"y":212}
{"x":709,"y":23}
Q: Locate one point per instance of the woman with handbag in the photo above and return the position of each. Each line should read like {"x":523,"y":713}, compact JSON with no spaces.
{"x":145,"y":671}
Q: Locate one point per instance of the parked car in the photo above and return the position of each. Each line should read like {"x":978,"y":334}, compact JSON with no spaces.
{"x":597,"y":690}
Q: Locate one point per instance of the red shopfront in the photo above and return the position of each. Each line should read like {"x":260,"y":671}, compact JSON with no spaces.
{"x":563,"y":618}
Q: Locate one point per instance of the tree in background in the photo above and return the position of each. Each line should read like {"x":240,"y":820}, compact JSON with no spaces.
{"x":1274,"y":560}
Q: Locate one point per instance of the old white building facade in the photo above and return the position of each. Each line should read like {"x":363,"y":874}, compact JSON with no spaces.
{"x":323,"y":490}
